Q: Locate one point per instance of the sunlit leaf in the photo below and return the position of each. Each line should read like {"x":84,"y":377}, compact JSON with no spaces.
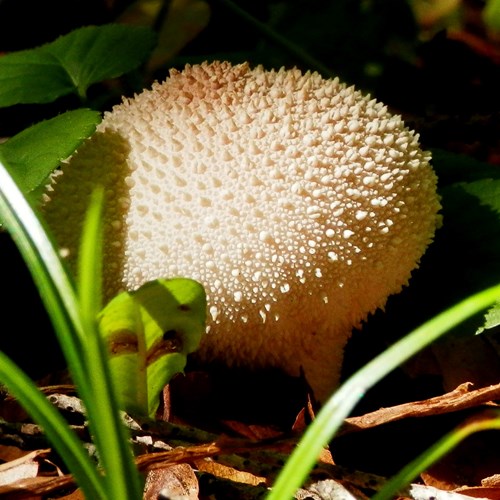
{"x":491,"y":318}
{"x":35,"y":152}
{"x":149,"y":334}
{"x":491,"y":15}
{"x":72,"y":63}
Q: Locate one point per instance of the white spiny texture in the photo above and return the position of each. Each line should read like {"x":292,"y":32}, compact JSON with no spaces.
{"x":298,"y":203}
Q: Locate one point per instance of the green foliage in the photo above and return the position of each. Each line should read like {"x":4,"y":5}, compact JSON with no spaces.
{"x":84,"y":333}
{"x":491,"y":319}
{"x":82,"y":347}
{"x":34,"y":153}
{"x":150,"y":332}
{"x":72,"y":63}
{"x":464,"y":258}
{"x":98,"y":392}
{"x":491,"y":15}
{"x":64,"y":440}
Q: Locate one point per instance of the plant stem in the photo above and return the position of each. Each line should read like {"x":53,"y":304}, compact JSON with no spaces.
{"x":291,"y":47}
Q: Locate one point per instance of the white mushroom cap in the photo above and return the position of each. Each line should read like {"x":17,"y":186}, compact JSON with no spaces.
{"x":298,"y":203}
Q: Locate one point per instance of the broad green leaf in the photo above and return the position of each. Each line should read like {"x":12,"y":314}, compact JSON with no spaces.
{"x":491,"y":319}
{"x":464,"y":257}
{"x":491,"y":15}
{"x":72,"y":63}
{"x":35,"y":152}
{"x":487,"y":192}
{"x":149,"y":333}
{"x":452,"y":168}
{"x":32,"y":76}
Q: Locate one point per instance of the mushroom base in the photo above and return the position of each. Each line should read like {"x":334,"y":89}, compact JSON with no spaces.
{"x":312,"y":349}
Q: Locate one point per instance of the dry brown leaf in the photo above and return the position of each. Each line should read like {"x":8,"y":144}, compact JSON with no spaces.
{"x":20,"y":468}
{"x":230,"y":473}
{"x":491,"y":481}
{"x":304,"y":417}
{"x":300,"y":424}
{"x":325,"y":457}
{"x":173,"y":481}
{"x":328,"y":489}
{"x":34,"y":487}
{"x":8,"y":453}
{"x":459,"y":399}
{"x":23,"y":477}
{"x":481,"y":492}
{"x":19,"y":472}
{"x":435,"y":480}
{"x":177,"y":455}
{"x":223,"y":446}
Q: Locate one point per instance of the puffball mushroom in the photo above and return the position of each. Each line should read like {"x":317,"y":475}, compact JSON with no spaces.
{"x":299,"y":203}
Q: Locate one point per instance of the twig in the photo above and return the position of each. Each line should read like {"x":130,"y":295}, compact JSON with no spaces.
{"x":460,"y":398}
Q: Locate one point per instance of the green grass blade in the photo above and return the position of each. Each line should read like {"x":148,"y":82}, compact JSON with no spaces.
{"x":90,"y":259}
{"x":53,"y":282}
{"x":338,"y":407}
{"x":57,"y":290}
{"x":62,"y":438}
{"x":433,"y":454}
{"x":110,"y":436}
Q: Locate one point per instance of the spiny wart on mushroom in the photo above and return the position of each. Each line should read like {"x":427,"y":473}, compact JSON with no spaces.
{"x":299,"y":203}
